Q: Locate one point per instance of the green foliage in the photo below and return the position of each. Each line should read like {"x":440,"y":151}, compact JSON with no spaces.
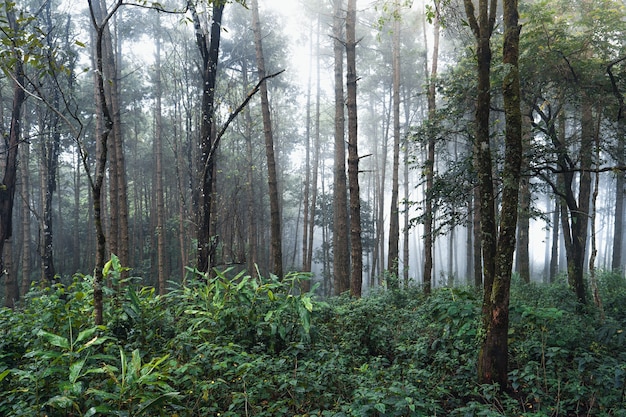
{"x":235,"y":345}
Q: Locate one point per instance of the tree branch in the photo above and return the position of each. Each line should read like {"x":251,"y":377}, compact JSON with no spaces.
{"x":232,"y":117}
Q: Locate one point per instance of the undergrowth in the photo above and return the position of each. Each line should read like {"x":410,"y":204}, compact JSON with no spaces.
{"x":240,"y":346}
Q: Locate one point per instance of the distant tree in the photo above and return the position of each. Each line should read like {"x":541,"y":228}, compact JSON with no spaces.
{"x":275,"y":213}
{"x":158,"y":159}
{"x":393,"y":254}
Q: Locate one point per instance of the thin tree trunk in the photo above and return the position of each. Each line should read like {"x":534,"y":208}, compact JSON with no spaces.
{"x":522,"y":256}
{"x":252,"y":218}
{"x":104,"y":127}
{"x":554,"y":253}
{"x":618,"y":225}
{"x":26,"y":215}
{"x":275,"y":216}
{"x":158,"y":153}
{"x":394,"y":217}
{"x":307,"y":176}
{"x":429,"y":237}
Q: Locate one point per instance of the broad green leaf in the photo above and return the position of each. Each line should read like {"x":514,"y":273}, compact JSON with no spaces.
{"x":75,"y":370}
{"x":85,"y":334}
{"x":307,"y":303}
{"x":156,"y":401}
{"x":54,"y":339}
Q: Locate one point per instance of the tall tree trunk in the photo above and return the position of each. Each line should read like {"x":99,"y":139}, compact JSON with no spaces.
{"x":252,"y":229}
{"x":498,"y":243}
{"x":580,"y":217}
{"x":307,"y":178}
{"x":104,"y":128}
{"x":50,"y":159}
{"x":554,"y":252}
{"x":356,"y":255}
{"x":275,"y":215}
{"x":341,"y":242}
{"x":493,"y":356}
{"x":429,"y":237}
{"x":119,"y":161}
{"x":620,"y":159}
{"x":9,"y":179}
{"x":522,"y":256}
{"x":158,"y":156}
{"x":26,"y":215}
{"x":203,"y":196}
{"x":394,"y":218}
{"x":341,"y":262}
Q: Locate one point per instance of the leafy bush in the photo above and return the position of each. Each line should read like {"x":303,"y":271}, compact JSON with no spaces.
{"x":234,"y":345}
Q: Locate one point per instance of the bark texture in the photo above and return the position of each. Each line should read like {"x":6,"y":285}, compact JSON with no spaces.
{"x":356,"y":254}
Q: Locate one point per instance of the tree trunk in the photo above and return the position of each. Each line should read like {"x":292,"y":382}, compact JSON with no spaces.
{"x":620,"y":159}
{"x":26,"y":215}
{"x":429,"y":237}
{"x":522,"y":257}
{"x":341,"y":241}
{"x":203,"y":196}
{"x":9,"y":179}
{"x":554,"y":252}
{"x":158,"y":156}
{"x":104,"y":128}
{"x":393,"y":254}
{"x":275,"y":215}
{"x":356,"y":255}
{"x":498,"y":245}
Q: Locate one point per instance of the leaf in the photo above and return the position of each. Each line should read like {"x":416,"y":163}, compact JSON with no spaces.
{"x":156,"y":401}
{"x":85,"y":334}
{"x":79,"y":43}
{"x":4,"y":374}
{"x":54,"y":339}
{"x":75,"y":370}
{"x":306,"y":301}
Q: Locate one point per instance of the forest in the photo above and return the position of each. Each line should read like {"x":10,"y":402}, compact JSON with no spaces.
{"x":312,"y":208}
